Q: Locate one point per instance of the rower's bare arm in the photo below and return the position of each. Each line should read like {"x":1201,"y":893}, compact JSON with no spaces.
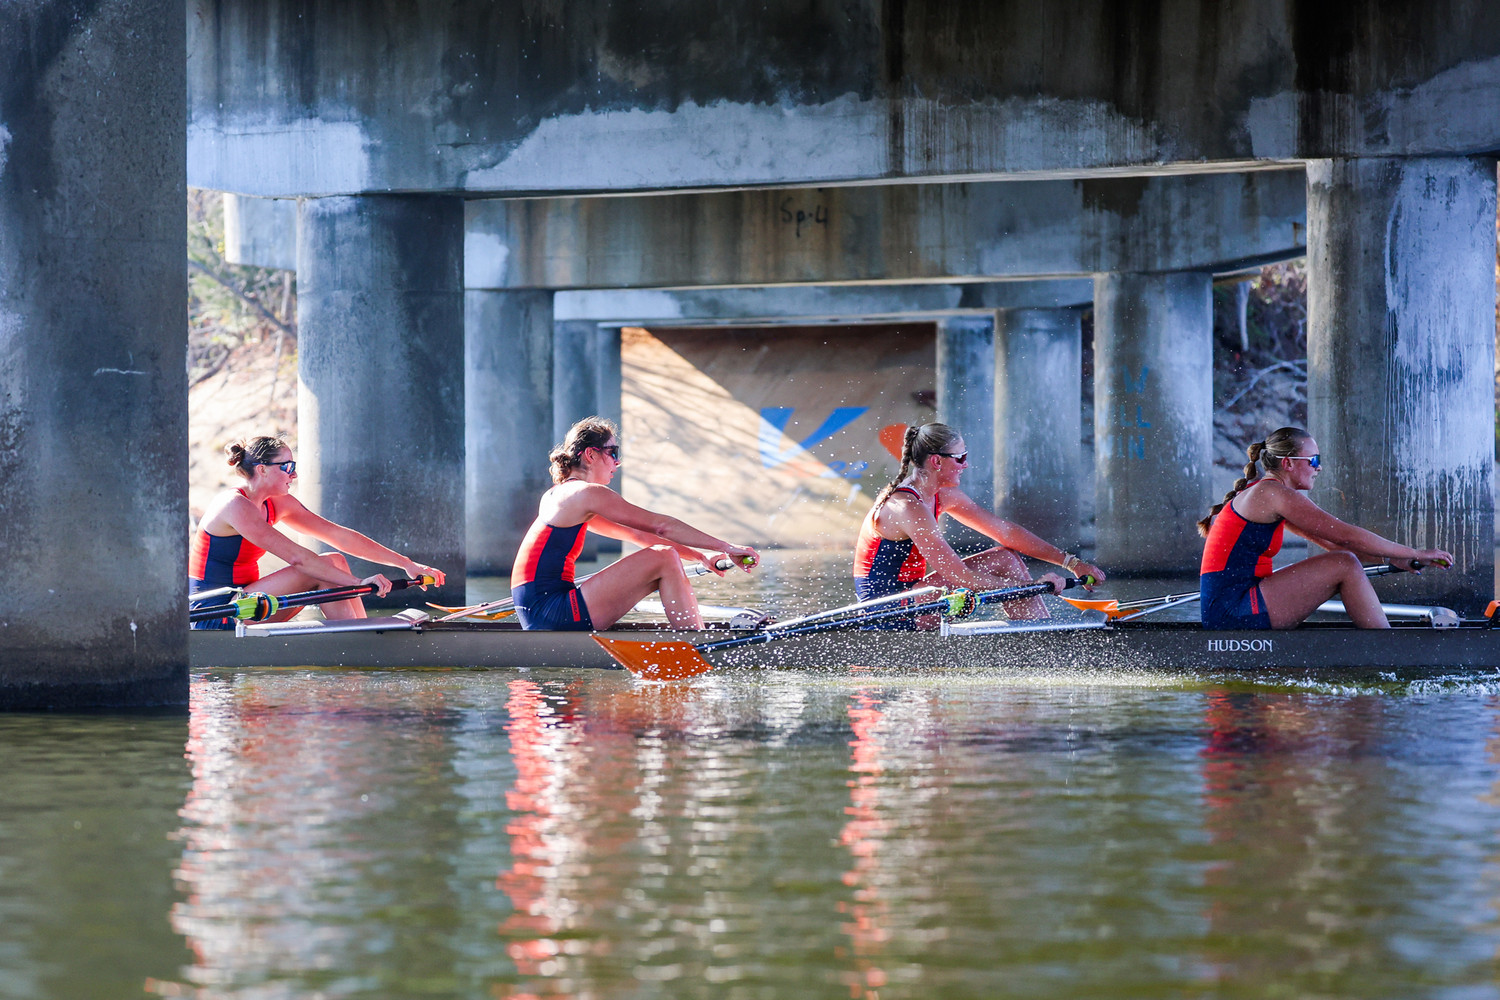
{"x":605,"y":503}
{"x":248,"y":521}
{"x":1013,"y":536}
{"x":354,"y":543}
{"x":612,"y":529}
{"x":1307,"y":519}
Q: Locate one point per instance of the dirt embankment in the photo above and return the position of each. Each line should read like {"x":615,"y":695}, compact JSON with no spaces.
{"x":251,"y":394}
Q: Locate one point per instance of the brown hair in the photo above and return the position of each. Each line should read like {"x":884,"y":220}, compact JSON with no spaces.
{"x":590,"y":432}
{"x":1269,"y":453}
{"x":920,"y":444}
{"x":259,"y":451}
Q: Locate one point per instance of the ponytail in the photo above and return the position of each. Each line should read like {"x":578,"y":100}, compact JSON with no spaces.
{"x":1269,"y":453}
{"x":918,"y":445}
{"x":590,"y":432}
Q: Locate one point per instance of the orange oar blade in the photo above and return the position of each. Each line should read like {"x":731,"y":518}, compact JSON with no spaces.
{"x":656,"y":661}
{"x":1111,"y":608}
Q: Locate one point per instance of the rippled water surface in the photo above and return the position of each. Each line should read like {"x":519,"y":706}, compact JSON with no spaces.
{"x":338,"y":833}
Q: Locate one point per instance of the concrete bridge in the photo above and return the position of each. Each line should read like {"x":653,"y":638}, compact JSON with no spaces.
{"x":486,"y":193}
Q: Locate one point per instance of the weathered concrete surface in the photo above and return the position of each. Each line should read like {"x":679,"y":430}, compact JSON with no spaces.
{"x":1401,"y":351}
{"x":508,"y":414}
{"x":912,"y":232}
{"x":804,"y":304}
{"x":1153,"y":420}
{"x":380,"y":401}
{"x":1039,"y":421}
{"x":93,"y":329}
{"x":261,"y":232}
{"x":291,"y":98}
{"x":966,"y":402}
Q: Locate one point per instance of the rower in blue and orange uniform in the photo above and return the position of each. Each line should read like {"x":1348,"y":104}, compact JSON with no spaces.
{"x":1237,"y":586}
{"x":900,"y":536}
{"x":542,"y":580}
{"x":239,"y":527}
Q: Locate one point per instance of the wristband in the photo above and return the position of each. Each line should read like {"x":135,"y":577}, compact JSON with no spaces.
{"x":1070,"y":561}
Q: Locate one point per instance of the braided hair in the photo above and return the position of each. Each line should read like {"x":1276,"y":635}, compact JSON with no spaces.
{"x":245,"y":456}
{"x":1269,"y":453}
{"x":590,"y":432}
{"x":920,"y":444}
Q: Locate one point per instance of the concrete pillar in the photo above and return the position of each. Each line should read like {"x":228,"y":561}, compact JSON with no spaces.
{"x":966,"y":402}
{"x":381,"y":382}
{"x":585,"y":374}
{"x":1153,"y":420}
{"x":1401,"y":350}
{"x":509,"y":413}
{"x":1039,"y":421}
{"x":586,"y":382}
{"x":93,"y":328}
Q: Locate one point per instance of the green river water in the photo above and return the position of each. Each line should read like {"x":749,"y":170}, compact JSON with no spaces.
{"x":330,"y":833}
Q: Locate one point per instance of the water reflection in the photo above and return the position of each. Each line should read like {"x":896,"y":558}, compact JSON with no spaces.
{"x":576,"y":834}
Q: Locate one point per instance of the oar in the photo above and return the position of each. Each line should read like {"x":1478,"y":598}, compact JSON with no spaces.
{"x":506,"y":605}
{"x":258,"y":607}
{"x":1114,"y":609}
{"x":903,"y":597}
{"x":673,"y":661}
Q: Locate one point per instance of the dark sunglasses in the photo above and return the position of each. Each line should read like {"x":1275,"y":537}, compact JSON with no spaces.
{"x":287,"y":467}
{"x":964,"y":458}
{"x":612,"y":450}
{"x":1313,"y":461}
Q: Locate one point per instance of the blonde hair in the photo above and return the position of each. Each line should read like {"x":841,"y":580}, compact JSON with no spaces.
{"x":1279,"y":444}
{"x":259,"y":451}
{"x":590,"y":432}
{"x":919,"y":444}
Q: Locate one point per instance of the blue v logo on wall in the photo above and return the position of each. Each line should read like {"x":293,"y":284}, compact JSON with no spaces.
{"x":773,"y":422}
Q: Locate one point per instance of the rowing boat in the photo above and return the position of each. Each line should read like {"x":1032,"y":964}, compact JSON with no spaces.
{"x":1090,"y":641}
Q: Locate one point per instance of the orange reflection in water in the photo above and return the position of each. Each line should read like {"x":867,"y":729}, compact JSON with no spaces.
{"x":863,"y":835}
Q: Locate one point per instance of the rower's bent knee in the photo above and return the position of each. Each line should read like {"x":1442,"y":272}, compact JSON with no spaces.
{"x":336,"y":559}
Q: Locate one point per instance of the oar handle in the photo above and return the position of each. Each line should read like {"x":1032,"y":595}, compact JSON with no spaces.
{"x":258,"y":607}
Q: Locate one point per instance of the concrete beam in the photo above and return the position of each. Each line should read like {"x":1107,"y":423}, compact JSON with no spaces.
{"x":93,"y":331}
{"x":517,"y":99}
{"x":260,"y":232}
{"x":892,"y":233}
{"x":811,"y":304}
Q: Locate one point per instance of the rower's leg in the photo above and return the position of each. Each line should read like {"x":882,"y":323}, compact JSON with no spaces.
{"x":290,"y":580}
{"x":614,"y":590}
{"x":1295,"y":592}
{"x":1011,"y":570}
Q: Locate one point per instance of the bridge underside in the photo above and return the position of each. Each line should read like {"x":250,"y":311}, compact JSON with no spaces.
{"x":985,"y":169}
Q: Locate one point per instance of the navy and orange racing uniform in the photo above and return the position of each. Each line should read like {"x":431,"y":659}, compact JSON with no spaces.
{"x":541,"y":581}
{"x":1236,"y":557}
{"x":224,"y":561}
{"x":883,"y":567}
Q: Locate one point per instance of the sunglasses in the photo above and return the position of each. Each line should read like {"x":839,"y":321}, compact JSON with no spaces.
{"x":960,"y":459}
{"x":1313,"y":461}
{"x":287,"y":467}
{"x":612,"y":450}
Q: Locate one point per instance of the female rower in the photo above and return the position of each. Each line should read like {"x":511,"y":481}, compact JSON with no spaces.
{"x":239,"y":527}
{"x":542,"y":579}
{"x":900,"y":536}
{"x":1237,"y":586}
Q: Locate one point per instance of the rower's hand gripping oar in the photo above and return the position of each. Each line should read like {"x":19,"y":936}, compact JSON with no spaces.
{"x":254,"y":607}
{"x":675,"y":661}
